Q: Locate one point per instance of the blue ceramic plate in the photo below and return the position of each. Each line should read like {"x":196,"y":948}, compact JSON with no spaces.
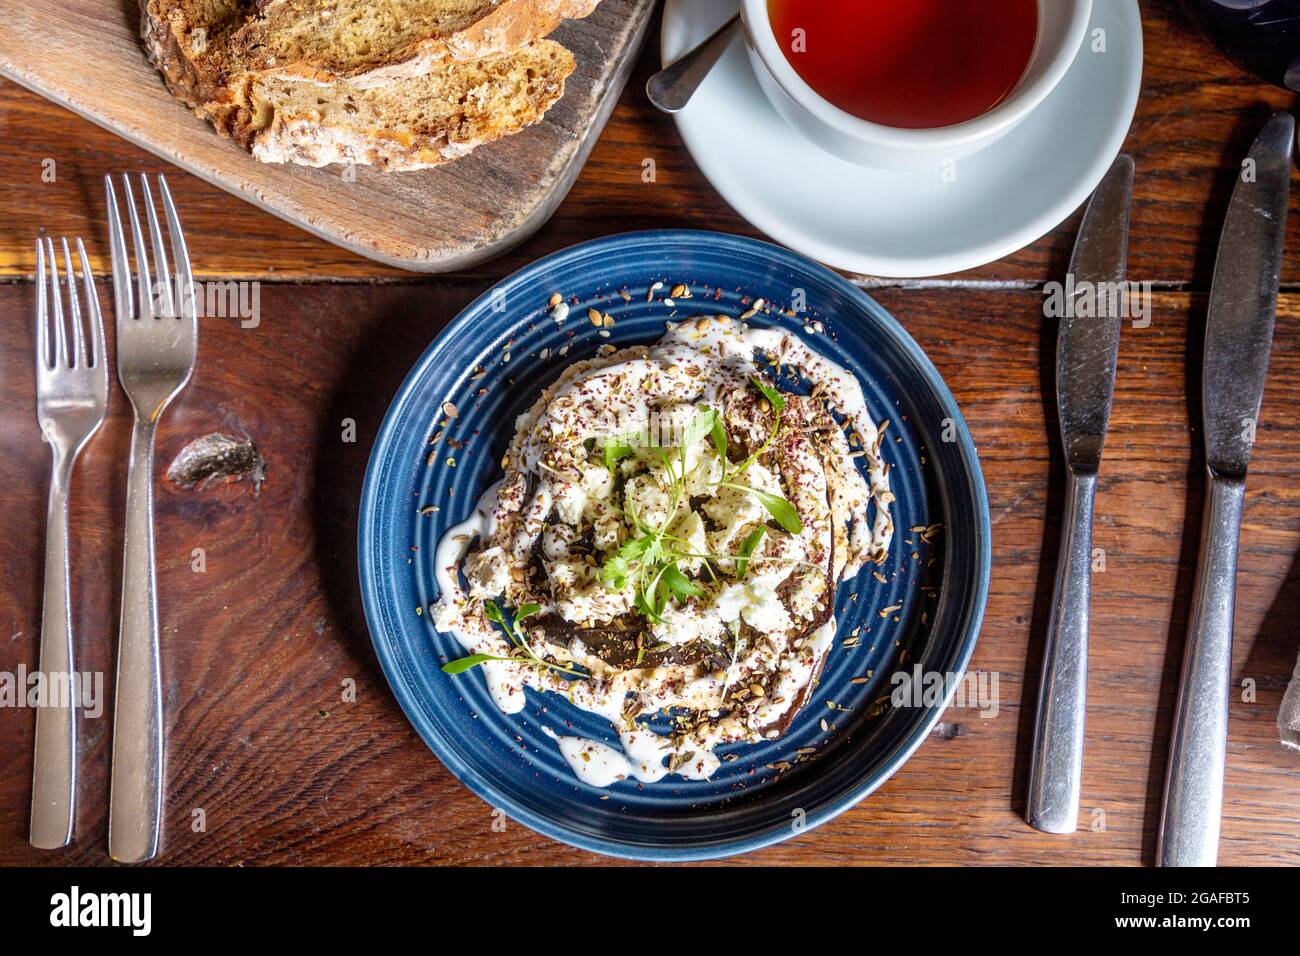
{"x":491,"y":362}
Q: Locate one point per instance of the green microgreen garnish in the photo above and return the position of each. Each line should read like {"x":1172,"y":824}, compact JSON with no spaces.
{"x":719,"y":434}
{"x":706,"y":421}
{"x":679,"y":584}
{"x":616,"y":451}
{"x":649,"y":562}
{"x":747,"y":550}
{"x":780,"y":509}
{"x":777,"y":401}
{"x":515,"y":632}
{"x":770,"y":393}
{"x":461,"y":665}
{"x":619,"y":567}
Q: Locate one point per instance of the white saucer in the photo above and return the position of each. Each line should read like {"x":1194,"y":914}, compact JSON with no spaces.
{"x":913,"y":223}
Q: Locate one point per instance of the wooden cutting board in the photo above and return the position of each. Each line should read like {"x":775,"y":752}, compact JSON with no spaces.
{"x":86,"y":55}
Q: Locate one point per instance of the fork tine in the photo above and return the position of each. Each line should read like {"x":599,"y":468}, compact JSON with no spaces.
{"x":60,"y":331}
{"x":93,"y":316}
{"x":77,"y":358}
{"x":180,"y":255}
{"x":165,"y":300}
{"x":42,"y":312}
{"x":117,"y":252}
{"x":147,"y":306}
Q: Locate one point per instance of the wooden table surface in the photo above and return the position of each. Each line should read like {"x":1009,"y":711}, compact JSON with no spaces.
{"x":258,"y":646}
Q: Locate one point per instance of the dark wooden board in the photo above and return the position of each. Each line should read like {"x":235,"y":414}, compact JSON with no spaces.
{"x":87,"y":56}
{"x":256,"y":648}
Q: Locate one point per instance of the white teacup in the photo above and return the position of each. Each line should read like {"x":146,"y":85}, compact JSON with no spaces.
{"x":1062,"y":26}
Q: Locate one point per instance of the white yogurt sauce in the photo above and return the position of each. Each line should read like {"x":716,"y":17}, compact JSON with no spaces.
{"x":695,"y":362}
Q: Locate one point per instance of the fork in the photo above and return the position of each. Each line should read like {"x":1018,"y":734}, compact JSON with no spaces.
{"x":71,"y":399}
{"x":157,"y":340}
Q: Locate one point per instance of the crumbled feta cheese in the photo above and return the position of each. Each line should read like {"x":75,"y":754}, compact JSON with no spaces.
{"x":807,"y":595}
{"x":683,"y":625}
{"x":445,"y":615}
{"x":556,"y":540}
{"x":597,"y":482}
{"x":754,"y":603}
{"x":733,"y":512}
{"x":570,"y":500}
{"x":701,"y":478}
{"x":756,"y":476}
{"x":591,"y":603}
{"x":648,"y":499}
{"x":566,"y":573}
{"x":764,"y":611}
{"x":775,"y":558}
{"x":607,"y":527}
{"x":488,"y":573}
{"x":730,"y":601}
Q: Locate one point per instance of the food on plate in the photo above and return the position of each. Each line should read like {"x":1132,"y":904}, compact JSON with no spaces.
{"x":402,"y":85}
{"x":667,"y":539}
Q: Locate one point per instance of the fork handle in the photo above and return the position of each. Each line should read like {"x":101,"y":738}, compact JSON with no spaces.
{"x":54,"y":761}
{"x":135,"y":803}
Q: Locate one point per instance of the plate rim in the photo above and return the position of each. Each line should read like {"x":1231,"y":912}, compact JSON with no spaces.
{"x":917,"y":267}
{"x":405,"y":695}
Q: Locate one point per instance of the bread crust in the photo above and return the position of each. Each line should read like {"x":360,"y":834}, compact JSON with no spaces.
{"x":179,"y":50}
{"x":502,"y":30}
{"x":164,"y":44}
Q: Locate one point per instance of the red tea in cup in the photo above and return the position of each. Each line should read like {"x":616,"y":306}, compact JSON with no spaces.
{"x":915,"y":64}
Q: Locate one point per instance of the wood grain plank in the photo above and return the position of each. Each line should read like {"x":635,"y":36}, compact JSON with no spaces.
{"x":90,"y":59}
{"x":257,"y":647}
{"x":1194,"y":122}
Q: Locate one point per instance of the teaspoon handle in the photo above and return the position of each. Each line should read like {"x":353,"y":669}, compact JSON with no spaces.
{"x":672,"y":87}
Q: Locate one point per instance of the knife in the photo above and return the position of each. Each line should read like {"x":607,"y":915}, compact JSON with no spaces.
{"x":1238,"y":337}
{"x":1087,"y":349}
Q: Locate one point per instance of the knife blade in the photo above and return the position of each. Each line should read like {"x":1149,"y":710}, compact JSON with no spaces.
{"x":1087,"y":346}
{"x":1238,"y":338}
{"x":1087,"y":351}
{"x":1243,"y":299}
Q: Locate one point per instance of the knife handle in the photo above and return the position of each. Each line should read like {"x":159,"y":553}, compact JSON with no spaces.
{"x":1057,"y":763}
{"x":1193,"y":799}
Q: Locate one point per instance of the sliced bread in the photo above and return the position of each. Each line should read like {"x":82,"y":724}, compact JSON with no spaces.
{"x":406,"y":124}
{"x":372,"y":43}
{"x":186,"y":41}
{"x":409,"y":122}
